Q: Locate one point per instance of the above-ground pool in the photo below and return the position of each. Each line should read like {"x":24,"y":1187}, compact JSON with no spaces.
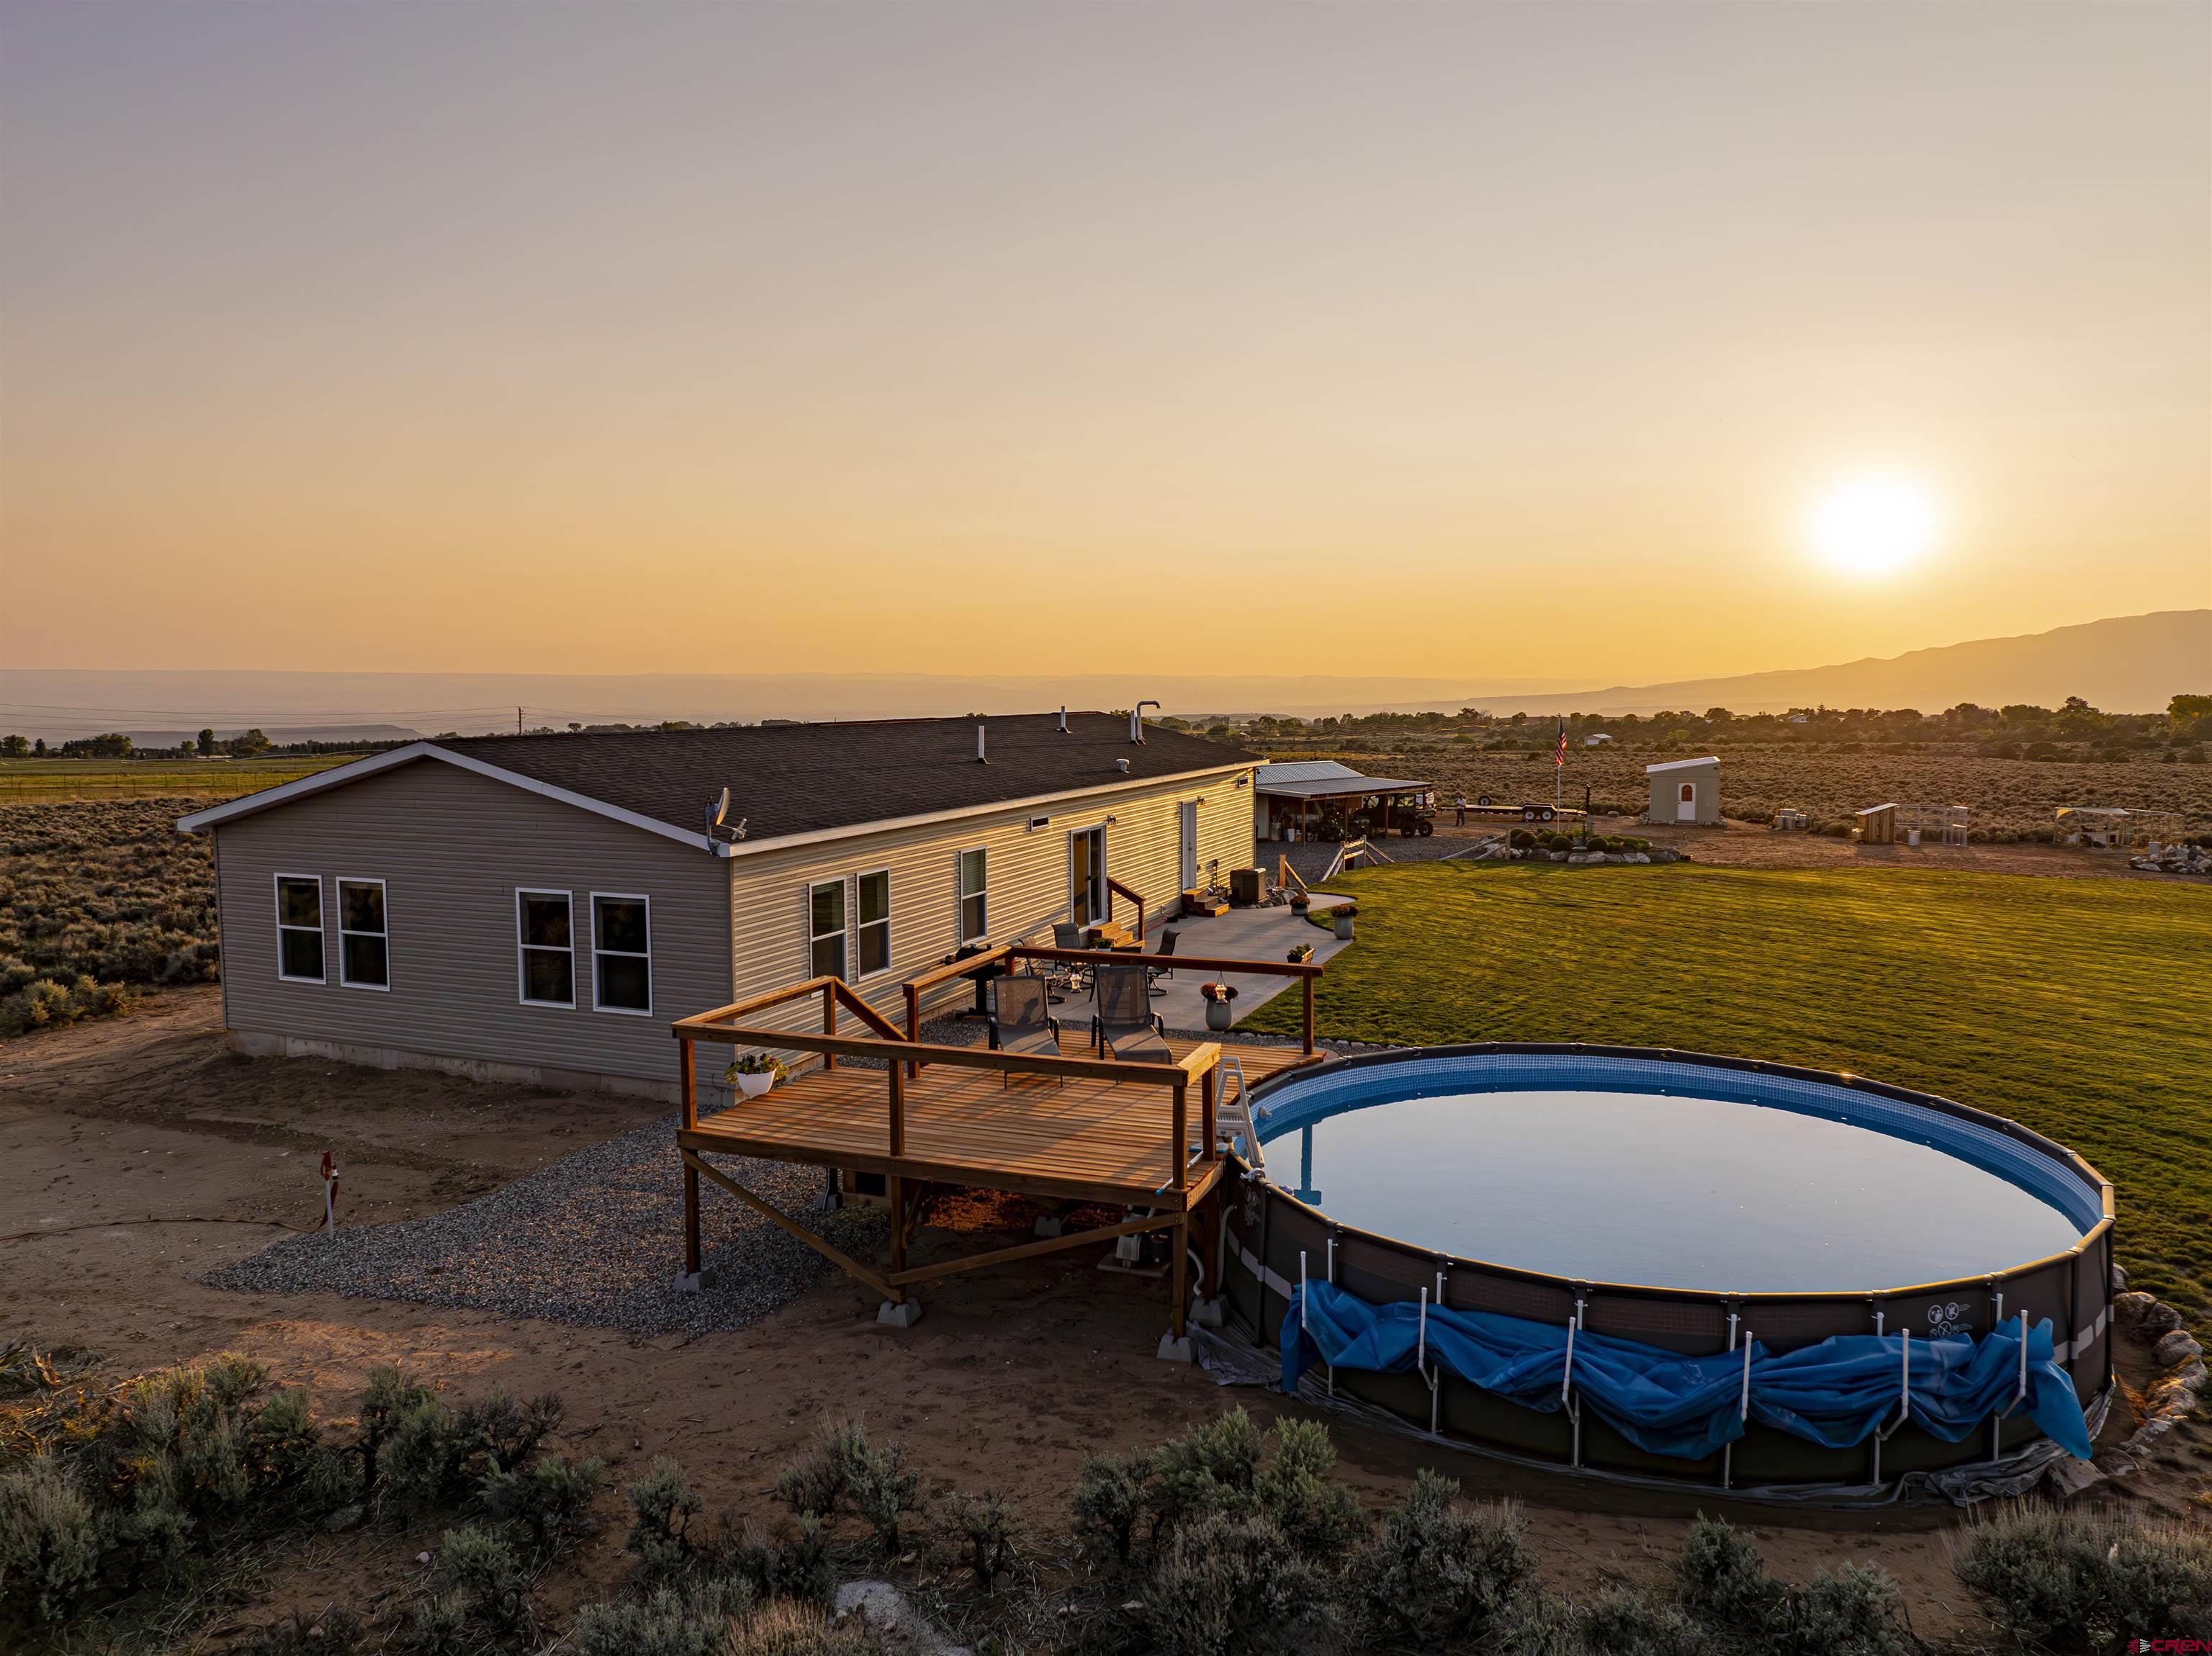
{"x":1683,"y":1203}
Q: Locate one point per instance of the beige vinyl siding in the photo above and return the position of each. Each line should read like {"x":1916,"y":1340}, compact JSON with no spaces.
{"x":1028,"y":882}
{"x":452,"y":847}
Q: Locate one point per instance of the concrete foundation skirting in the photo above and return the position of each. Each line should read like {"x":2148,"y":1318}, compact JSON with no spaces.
{"x":256,"y":1045}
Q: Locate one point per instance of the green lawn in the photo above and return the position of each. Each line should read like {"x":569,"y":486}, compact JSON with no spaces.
{"x":2081,"y":1008}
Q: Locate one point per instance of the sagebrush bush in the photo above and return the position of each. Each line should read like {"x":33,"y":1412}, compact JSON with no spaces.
{"x":693,"y":1621}
{"x":549,"y":1498}
{"x":664,"y":1506}
{"x":1208,"y":1469}
{"x":2061,"y":1579}
{"x":884,"y":1490}
{"x":1854,"y":1612}
{"x":49,"y":1540}
{"x":1622,"y":1622}
{"x":1110,"y":1496}
{"x":1440,"y":1571}
{"x":1724,"y":1582}
{"x":1226,"y":1586}
{"x":985,"y":1525}
{"x":1321,"y":1516}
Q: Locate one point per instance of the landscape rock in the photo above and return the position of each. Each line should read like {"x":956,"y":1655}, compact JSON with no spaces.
{"x":887,"y":1609}
{"x":2119,"y":1280}
{"x":2129,"y":1308}
{"x":2068,"y":1477}
{"x":2161,"y":1318}
{"x":2176,"y":1347}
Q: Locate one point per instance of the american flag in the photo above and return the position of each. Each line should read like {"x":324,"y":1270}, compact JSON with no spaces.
{"x":1559,"y":758}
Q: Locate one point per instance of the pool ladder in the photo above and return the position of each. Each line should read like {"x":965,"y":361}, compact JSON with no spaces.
{"x":1232,"y":1122}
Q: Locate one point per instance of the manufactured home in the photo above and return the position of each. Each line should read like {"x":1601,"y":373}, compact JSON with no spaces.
{"x":538,"y":909}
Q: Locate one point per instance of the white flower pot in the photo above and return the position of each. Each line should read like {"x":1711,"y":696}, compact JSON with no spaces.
{"x":1219,"y":1013}
{"x":754,"y":1086}
{"x":1344,"y":928}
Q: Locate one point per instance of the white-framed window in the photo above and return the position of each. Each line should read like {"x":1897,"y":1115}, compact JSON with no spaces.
{"x":825,"y":928}
{"x":875,"y":915}
{"x":300,"y":928}
{"x":975,"y":905}
{"x":546,"y":949}
{"x":364,"y":938}
{"x":621,"y":952}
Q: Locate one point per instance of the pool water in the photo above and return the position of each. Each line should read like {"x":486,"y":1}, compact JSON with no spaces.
{"x":1668,"y":1191}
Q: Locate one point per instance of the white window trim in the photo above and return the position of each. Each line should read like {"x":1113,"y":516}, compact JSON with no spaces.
{"x":961,"y":895}
{"x":860,"y":926}
{"x":1105,"y":892}
{"x":384,"y":907}
{"x":843,"y":883}
{"x":321,"y":928}
{"x":646,"y":1011}
{"x":521,"y":949}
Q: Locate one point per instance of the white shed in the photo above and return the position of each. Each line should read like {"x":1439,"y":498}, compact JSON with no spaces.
{"x":1686,"y":791}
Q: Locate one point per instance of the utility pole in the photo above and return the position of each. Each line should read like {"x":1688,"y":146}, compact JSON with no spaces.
{"x":517,"y":721}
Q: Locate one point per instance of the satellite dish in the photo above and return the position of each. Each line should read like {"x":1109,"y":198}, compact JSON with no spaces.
{"x":721,"y":807}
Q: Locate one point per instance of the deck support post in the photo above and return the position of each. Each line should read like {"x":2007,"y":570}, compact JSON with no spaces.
{"x":688,"y":1092}
{"x":895,"y":1188}
{"x":913,"y":1024}
{"x":1205,"y":1115}
{"x":829,"y":1020}
{"x":1306,"y":984}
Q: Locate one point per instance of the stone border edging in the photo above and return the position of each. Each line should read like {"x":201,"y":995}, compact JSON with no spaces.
{"x":2170,"y":1400}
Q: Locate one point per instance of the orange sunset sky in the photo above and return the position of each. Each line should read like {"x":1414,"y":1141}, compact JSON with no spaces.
{"x":1497,"y":341}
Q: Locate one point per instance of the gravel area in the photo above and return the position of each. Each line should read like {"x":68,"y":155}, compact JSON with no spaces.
{"x":595,"y":1238}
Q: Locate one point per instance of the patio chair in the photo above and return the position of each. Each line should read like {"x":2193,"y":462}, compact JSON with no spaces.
{"x":1065,"y":935}
{"x":1125,"y":1026}
{"x":1154,"y":973}
{"x":1021,"y":1020}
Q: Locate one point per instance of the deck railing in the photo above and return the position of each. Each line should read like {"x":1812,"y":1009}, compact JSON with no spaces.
{"x":719,"y":1027}
{"x":1115,"y":888}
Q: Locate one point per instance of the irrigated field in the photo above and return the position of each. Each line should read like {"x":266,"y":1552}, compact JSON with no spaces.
{"x":44,"y":781}
{"x":2081,"y":1008}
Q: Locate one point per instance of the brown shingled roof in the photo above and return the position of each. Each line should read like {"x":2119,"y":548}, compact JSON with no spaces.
{"x":802,"y":779}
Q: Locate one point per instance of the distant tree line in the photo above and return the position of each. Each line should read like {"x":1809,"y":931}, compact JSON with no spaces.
{"x":2016,"y":731}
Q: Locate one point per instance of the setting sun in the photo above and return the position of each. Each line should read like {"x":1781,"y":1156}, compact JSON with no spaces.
{"x":1873,"y":525}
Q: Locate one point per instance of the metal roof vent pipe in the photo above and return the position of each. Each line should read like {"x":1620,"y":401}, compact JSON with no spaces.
{"x":1137,"y":720}
{"x":1063,"y":719}
{"x":1122,"y":766}
{"x":981,"y":758}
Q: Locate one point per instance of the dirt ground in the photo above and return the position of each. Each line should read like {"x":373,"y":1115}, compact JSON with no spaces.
{"x":1743,"y":844}
{"x":136,"y":1155}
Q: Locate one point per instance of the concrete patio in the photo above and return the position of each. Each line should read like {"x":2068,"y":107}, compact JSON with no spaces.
{"x":1265,"y":934}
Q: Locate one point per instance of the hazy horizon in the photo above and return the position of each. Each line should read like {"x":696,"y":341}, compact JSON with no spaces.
{"x":1482,"y":343}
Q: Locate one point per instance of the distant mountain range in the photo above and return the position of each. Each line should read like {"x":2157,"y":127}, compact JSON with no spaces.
{"x":2132,"y":664}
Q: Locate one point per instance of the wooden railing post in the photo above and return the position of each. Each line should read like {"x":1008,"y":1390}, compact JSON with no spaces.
{"x":829,"y":1020}
{"x":687,"y":1083}
{"x":913,"y":1023}
{"x":1308,"y":984}
{"x":1182,"y":1151}
{"x":897,"y":1074}
{"x":1207,"y":1090}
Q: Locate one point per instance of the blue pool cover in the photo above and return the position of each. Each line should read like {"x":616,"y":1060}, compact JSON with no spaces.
{"x":1837,"y":1393}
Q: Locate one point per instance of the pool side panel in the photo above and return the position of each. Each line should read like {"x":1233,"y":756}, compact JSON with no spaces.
{"x":1269,"y":1226}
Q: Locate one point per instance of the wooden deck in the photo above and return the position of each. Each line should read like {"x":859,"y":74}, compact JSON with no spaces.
{"x":1076,"y":1137}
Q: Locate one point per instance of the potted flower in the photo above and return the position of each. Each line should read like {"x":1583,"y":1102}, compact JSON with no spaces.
{"x":1300,"y":953}
{"x":754,"y":1074}
{"x":1299,"y":904}
{"x":1342,"y":916}
{"x":1218,"y":1011}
